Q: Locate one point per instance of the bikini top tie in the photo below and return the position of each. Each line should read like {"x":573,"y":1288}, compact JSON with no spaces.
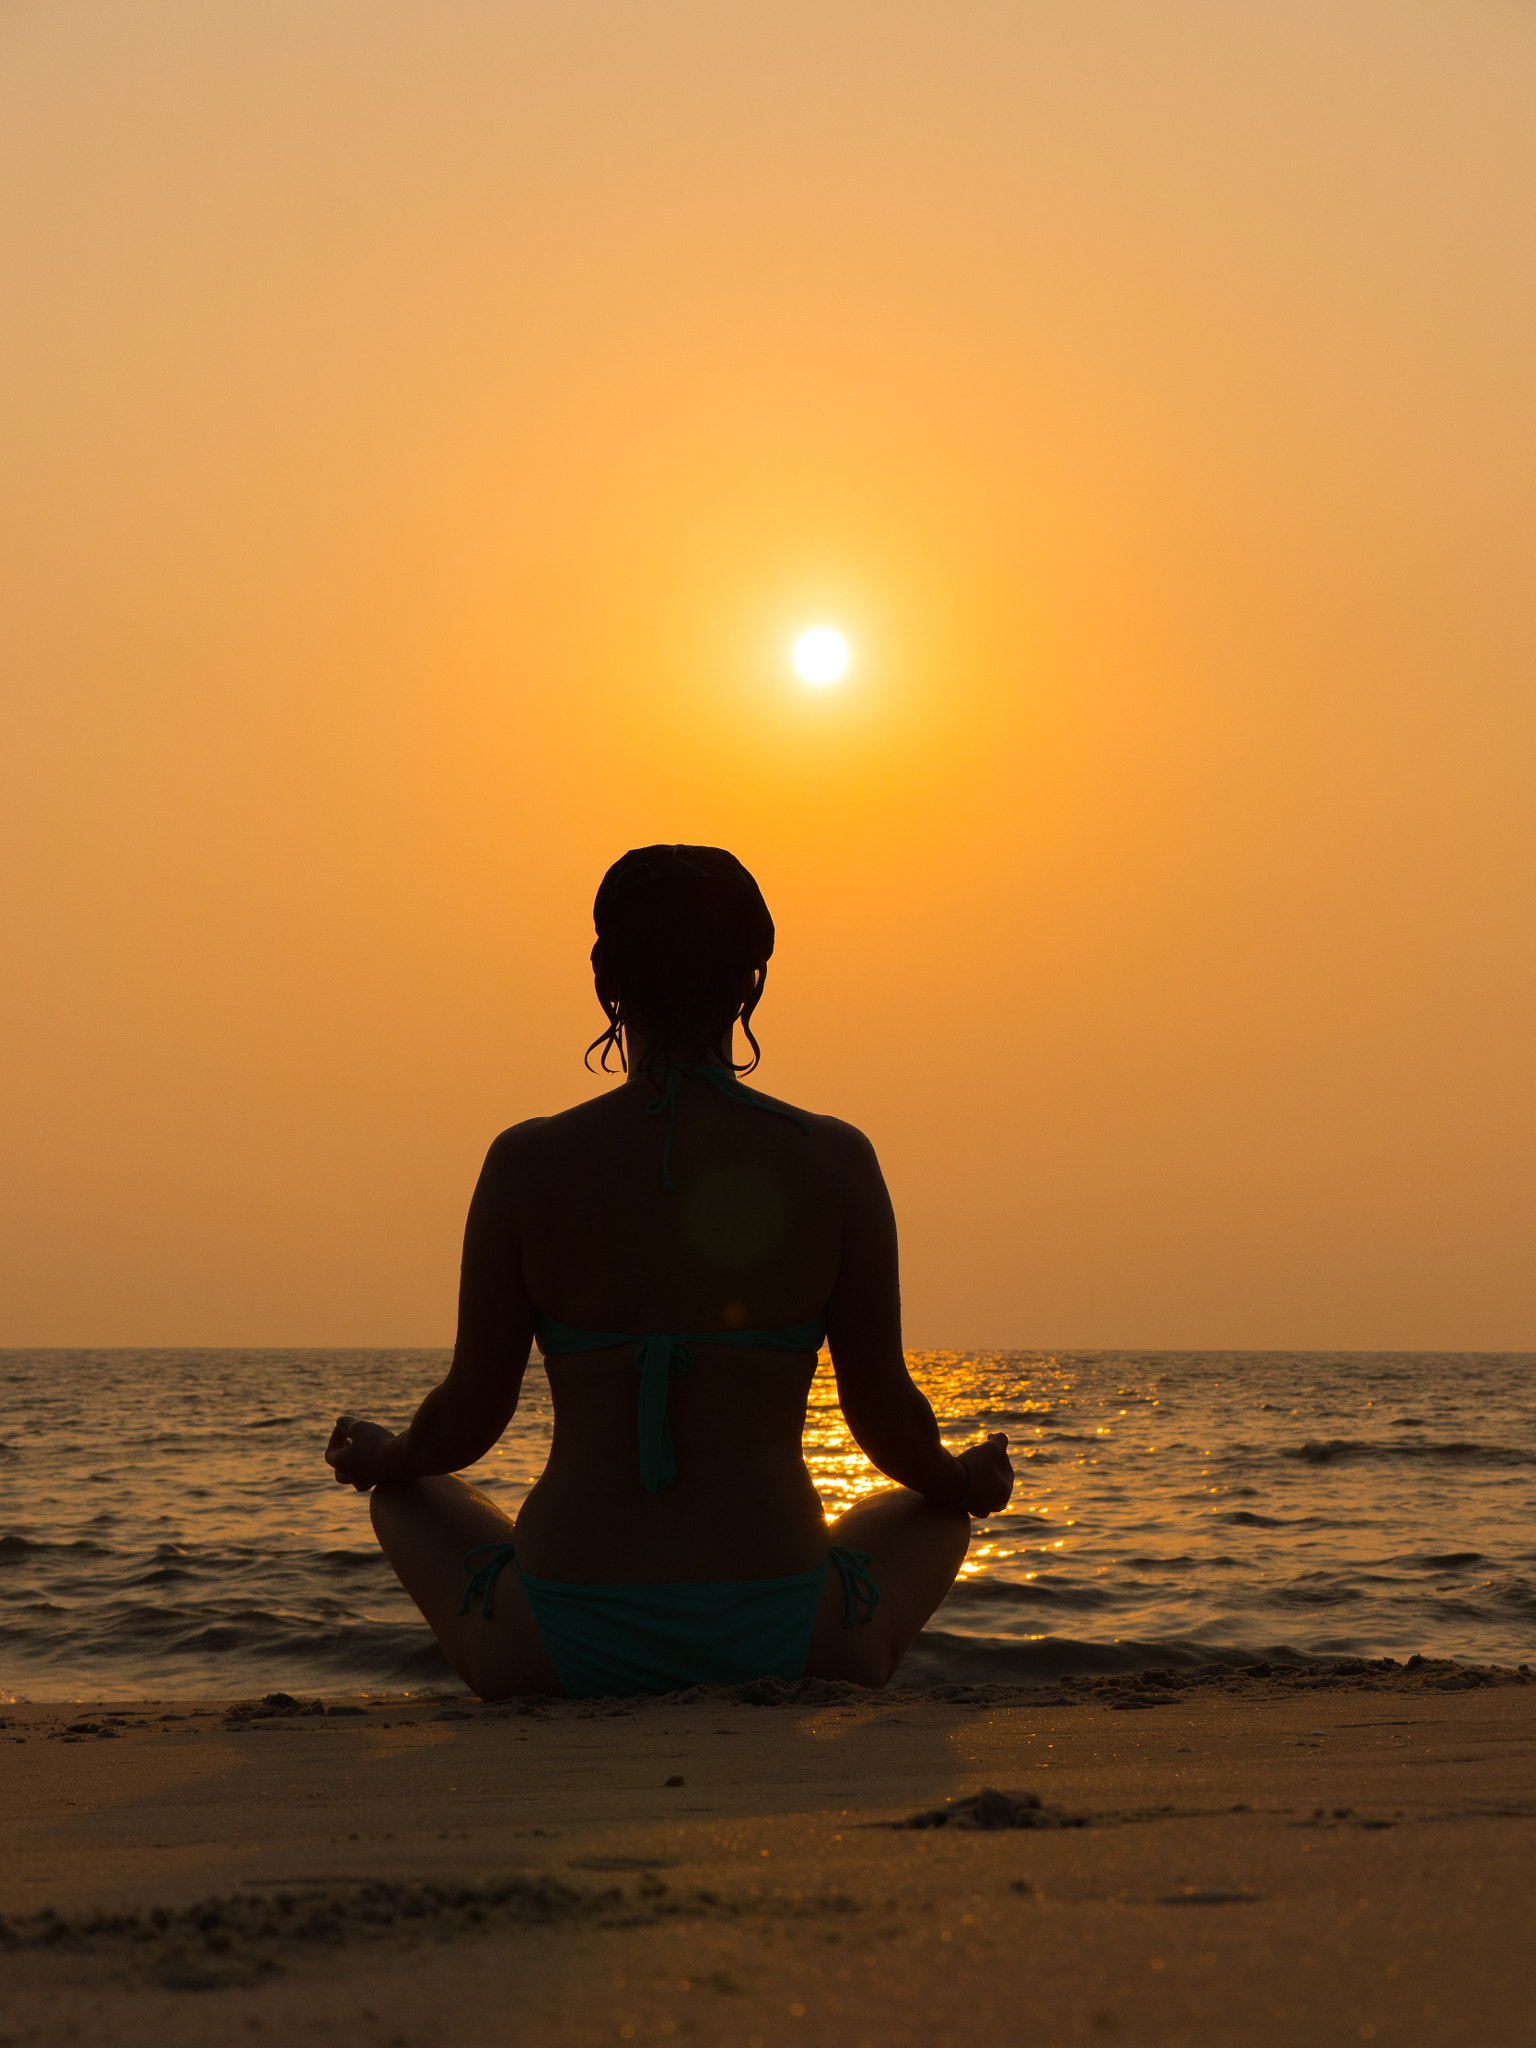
{"x":660,"y":1354}
{"x":657,"y":1357}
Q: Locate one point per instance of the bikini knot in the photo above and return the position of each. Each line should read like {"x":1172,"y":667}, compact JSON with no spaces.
{"x":657,"y":1358}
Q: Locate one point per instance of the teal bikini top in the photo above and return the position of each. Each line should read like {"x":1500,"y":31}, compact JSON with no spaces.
{"x":659,"y":1355}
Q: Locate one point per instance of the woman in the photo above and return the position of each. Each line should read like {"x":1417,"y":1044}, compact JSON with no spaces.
{"x":679,"y":1247}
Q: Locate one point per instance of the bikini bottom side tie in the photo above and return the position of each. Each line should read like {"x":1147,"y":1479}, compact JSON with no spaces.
{"x":482,"y":1578}
{"x":858,"y":1586}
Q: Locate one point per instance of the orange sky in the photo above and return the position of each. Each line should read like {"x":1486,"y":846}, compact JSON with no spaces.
{"x":425,"y":426}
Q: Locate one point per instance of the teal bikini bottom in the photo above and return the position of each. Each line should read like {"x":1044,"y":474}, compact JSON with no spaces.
{"x":612,"y":1640}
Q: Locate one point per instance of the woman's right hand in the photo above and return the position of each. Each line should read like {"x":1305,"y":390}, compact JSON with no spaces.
{"x":354,"y":1451}
{"x":991,"y":1475}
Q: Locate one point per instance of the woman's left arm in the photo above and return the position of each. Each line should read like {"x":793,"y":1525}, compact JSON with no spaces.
{"x":459,"y":1420}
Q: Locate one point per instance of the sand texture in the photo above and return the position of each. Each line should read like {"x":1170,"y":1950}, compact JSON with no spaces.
{"x":1298,"y":1858}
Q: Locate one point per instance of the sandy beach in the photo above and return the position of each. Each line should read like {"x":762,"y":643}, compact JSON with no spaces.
{"x":1298,"y":1856}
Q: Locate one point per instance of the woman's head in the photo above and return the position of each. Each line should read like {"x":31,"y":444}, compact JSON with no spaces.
{"x":683,"y":939}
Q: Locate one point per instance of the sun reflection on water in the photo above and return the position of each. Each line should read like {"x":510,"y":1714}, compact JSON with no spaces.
{"x":844,"y":1476}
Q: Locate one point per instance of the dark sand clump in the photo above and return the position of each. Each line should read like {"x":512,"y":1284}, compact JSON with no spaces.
{"x":990,"y":1809}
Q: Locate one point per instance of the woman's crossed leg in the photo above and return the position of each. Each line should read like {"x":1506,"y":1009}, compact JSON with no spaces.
{"x":915,"y":1551}
{"x":426,"y":1527}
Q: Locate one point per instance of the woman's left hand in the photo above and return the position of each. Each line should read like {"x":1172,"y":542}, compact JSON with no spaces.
{"x":355,"y":1451}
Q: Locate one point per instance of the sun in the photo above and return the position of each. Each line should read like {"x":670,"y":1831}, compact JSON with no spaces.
{"x":820,"y":655}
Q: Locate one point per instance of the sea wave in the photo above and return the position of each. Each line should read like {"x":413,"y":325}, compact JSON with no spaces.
{"x":1445,"y":1561}
{"x":985,"y":1593}
{"x":1245,"y":1518}
{"x":939,"y":1657}
{"x":1335,"y":1449}
{"x":252,"y":1653}
{"x":187,"y":1651}
{"x":14,"y":1547}
{"x":1313,"y":1593}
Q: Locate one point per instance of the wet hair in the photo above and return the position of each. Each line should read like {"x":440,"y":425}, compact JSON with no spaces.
{"x":678,"y":930}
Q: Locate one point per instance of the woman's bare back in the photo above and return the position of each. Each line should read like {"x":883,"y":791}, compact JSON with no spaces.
{"x":749,"y":1237}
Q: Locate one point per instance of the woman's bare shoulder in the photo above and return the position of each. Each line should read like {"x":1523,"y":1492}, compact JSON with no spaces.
{"x":848,"y":1137}
{"x":525,"y":1147}
{"x":855,"y":1165}
{"x":843,"y":1144}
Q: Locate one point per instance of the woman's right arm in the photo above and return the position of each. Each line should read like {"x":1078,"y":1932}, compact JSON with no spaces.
{"x":459,"y":1421}
{"x":889,"y":1416}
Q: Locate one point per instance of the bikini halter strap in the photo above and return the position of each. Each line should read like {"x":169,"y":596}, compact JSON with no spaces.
{"x":724,"y":1083}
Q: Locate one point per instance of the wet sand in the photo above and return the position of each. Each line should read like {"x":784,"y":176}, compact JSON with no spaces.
{"x":1297,"y":1857}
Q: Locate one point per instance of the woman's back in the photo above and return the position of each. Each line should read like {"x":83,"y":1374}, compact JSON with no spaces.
{"x":747,"y":1239}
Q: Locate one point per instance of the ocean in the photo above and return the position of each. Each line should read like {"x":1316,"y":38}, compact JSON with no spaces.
{"x":168,"y":1529}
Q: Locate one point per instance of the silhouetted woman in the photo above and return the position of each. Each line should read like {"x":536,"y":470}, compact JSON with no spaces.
{"x":679,"y":1248}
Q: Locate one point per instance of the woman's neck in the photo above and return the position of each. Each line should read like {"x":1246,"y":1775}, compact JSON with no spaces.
{"x":637,"y":1052}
